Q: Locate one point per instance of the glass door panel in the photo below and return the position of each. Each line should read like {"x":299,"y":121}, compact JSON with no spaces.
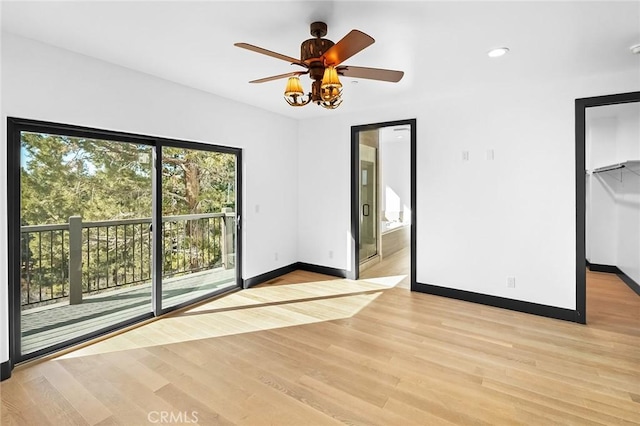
{"x":198,"y":224}
{"x":85,"y":238}
{"x":368,"y":203}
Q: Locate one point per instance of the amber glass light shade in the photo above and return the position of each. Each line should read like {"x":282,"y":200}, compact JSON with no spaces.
{"x":331,"y":86}
{"x":294,"y":87}
{"x":293,"y":94}
{"x":330,"y":77}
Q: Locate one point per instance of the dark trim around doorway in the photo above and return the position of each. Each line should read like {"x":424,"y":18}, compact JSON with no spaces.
{"x":354,"y":270}
{"x":581,"y":106}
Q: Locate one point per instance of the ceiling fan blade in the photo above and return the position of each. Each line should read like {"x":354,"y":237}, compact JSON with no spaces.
{"x":371,"y":73}
{"x":277,"y":77}
{"x":350,"y":44}
{"x":276,"y":55}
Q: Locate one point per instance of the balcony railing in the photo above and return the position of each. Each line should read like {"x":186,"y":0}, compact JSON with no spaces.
{"x":69,"y":260}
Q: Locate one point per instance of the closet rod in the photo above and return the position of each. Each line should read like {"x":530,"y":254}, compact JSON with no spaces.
{"x":611,"y":167}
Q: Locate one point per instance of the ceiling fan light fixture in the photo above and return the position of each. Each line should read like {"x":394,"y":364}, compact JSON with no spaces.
{"x":323,"y":60}
{"x":331,"y":88}
{"x":332,"y":104}
{"x":293,"y":94}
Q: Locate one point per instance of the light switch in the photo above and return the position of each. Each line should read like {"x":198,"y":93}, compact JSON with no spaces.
{"x":490,"y":155}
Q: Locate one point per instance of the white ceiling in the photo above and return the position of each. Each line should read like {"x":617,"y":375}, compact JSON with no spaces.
{"x":441,"y":46}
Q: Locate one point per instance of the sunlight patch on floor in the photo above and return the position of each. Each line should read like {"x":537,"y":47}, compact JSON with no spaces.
{"x":389,"y":282}
{"x":288,"y":293}
{"x":247,"y":311}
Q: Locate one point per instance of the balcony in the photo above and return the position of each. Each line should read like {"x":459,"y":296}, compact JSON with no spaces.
{"x":79,"y":277}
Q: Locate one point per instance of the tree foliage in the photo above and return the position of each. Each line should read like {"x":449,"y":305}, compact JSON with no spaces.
{"x":102,"y":180}
{"x":105,"y":180}
{"x":97,"y":180}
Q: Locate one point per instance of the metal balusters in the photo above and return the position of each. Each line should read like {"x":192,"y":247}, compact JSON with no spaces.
{"x":191,"y":243}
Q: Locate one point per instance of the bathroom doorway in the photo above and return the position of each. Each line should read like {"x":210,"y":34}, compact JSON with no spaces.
{"x":383,"y":194}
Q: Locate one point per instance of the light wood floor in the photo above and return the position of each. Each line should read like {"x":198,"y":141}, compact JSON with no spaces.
{"x":307,"y":349}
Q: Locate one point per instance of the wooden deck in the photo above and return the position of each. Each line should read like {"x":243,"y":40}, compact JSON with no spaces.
{"x":48,"y":325}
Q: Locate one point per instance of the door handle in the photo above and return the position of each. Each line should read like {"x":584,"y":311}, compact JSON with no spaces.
{"x":365,"y":210}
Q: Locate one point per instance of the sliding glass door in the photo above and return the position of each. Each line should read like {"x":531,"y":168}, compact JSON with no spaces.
{"x":198,"y":223}
{"x":85,"y":244}
{"x":106,"y":229}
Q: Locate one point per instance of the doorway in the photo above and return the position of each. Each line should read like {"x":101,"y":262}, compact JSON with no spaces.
{"x":383,"y":205}
{"x":107,"y":229}
{"x":604,"y":204}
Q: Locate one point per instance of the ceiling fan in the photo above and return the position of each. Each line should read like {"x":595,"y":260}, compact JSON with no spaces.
{"x":322,"y":60}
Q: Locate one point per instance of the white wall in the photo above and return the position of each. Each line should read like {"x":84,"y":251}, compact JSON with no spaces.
{"x":46,"y":83}
{"x":601,"y":211}
{"x":395,"y":176}
{"x":613,"y":207}
{"x":628,"y":195}
{"x":628,"y":202}
{"x":602,"y":220}
{"x":628,"y":134}
{"x":477,"y":221}
{"x":324,"y":181}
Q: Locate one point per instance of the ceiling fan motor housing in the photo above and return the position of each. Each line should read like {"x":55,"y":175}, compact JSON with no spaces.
{"x":314,"y":48}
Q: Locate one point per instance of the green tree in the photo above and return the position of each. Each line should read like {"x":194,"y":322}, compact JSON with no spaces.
{"x":103,"y":180}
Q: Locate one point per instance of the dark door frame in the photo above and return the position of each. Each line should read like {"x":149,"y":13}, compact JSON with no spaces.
{"x":354,"y":271}
{"x":17,"y":125}
{"x":581,"y":106}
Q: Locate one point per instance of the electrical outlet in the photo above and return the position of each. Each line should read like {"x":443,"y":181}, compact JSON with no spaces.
{"x":330,"y":254}
{"x":465,"y":155}
{"x":511,"y":282}
{"x":276,"y":256}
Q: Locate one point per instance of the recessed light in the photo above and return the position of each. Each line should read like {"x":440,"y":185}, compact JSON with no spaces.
{"x":497,"y":52}
{"x":635,"y":49}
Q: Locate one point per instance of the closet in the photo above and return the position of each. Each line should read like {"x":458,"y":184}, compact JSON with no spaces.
{"x":612,"y":160}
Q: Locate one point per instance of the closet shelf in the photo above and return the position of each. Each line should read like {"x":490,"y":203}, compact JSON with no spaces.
{"x":632,"y":165}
